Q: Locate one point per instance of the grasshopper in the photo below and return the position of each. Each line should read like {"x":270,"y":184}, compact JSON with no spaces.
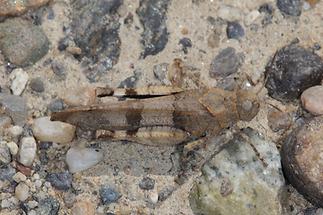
{"x":163,"y":116}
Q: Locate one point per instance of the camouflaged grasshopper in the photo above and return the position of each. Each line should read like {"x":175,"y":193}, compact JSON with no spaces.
{"x":163,"y":116}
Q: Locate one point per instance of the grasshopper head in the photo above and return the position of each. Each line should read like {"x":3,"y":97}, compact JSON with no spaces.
{"x":247,"y":105}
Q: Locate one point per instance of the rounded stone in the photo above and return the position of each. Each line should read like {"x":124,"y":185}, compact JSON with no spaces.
{"x":22,"y":191}
{"x":302,"y":160}
{"x":312,"y":100}
{"x":27,"y":151}
{"x":109,"y":195}
{"x":235,"y":30}
{"x":290,"y":7}
{"x":53,"y":131}
{"x":37,"y":85}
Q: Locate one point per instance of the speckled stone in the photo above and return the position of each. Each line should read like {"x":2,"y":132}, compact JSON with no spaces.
{"x":27,"y":151}
{"x":240,"y":181}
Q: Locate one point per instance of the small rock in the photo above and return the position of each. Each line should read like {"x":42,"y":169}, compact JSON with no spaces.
{"x":15,"y":107}
{"x":165,"y":193}
{"x":52,"y":131}
{"x":278,"y":120}
{"x":79,"y":159}
{"x":108,"y":195}
{"x":37,"y":85}
{"x":227,"y":62}
{"x":69,"y":199}
{"x":160,"y":72}
{"x":58,"y":69}
{"x":56,"y":105}
{"x":312,"y":100}
{"x":302,"y":160}
{"x":234,"y":30}
{"x":83,"y":207}
{"x":32,"y":204}
{"x":22,"y":191}
{"x":19,"y":177}
{"x":153,"y":196}
{"x":5,"y":156}
{"x":9,"y":203}
{"x":61,"y":181}
{"x":80,"y":97}
{"x":252,"y":17}
{"x":13,"y":8}
{"x":27,"y":151}
{"x":21,"y":42}
{"x":152,"y":15}
{"x":48,"y":206}
{"x":19,"y":81}
{"x":23,"y":169}
{"x":290,"y":7}
{"x":16,"y":131}
{"x":268,"y":11}
{"x":6,"y":173}
{"x":147,"y":183}
{"x":229,"y":13}
{"x":213,"y":39}
{"x":292,"y":70}
{"x":131,"y":81}
{"x":244,"y":178}
{"x":185,"y":43}
{"x":74,"y":50}
{"x":13,"y":148}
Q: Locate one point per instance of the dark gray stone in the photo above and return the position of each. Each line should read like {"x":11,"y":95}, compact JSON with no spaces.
{"x":61,"y":181}
{"x":58,"y":69}
{"x":48,"y":206}
{"x":165,"y":193}
{"x":152,"y":15}
{"x":160,"y":72}
{"x":131,"y":81}
{"x":109,"y":195}
{"x":235,"y":30}
{"x":37,"y":85}
{"x":147,"y":183}
{"x":185,"y":43}
{"x":6,"y":172}
{"x":95,"y":28}
{"x":267,"y":10}
{"x":5,"y":156}
{"x":21,"y":42}
{"x":292,"y":70}
{"x":290,"y":7}
{"x":15,"y":107}
{"x":227,"y":62}
{"x":56,"y":105}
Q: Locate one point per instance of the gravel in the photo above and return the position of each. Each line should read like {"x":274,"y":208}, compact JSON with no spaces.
{"x":108,"y":195}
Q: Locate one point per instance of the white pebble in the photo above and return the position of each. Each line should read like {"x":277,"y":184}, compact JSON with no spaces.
{"x":53,"y":131}
{"x":79,"y":159}
{"x":27,"y":151}
{"x":229,"y":13}
{"x":19,"y":177}
{"x":16,"y":130}
{"x":32,"y":204}
{"x":153,"y":196}
{"x":9,"y":203}
{"x":252,"y":17}
{"x":22,"y":191}
{"x":36,"y":176}
{"x":19,"y":80}
{"x":38,"y":184}
{"x":13,"y":147}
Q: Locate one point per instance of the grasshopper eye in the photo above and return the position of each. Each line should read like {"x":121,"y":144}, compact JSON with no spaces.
{"x":247,"y":105}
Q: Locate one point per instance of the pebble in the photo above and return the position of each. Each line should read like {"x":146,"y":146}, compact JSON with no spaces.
{"x":165,"y":193}
{"x":22,"y":192}
{"x":278,"y":120}
{"x":32,"y":204}
{"x":58,"y":69}
{"x":290,"y":7}
{"x":229,"y":13}
{"x":213,"y":39}
{"x":292,"y":70}
{"x":27,"y":151}
{"x":79,"y":159}
{"x":312,"y":100}
{"x":15,"y":107}
{"x":160,"y":73}
{"x":7,"y":172}
{"x":21,"y":42}
{"x":56,"y":105}
{"x":60,"y":181}
{"x":251,"y":17}
{"x":80,"y":97}
{"x":16,"y":131}
{"x":14,"y":8}
{"x":234,"y":30}
{"x":19,"y":177}
{"x":302,"y":160}
{"x":153,"y":15}
{"x":108,"y":195}
{"x":241,"y":179}
{"x":267,"y":10}
{"x":19,"y":80}
{"x":5,"y":156}
{"x":185,"y":43}
{"x":52,"y":131}
{"x":9,"y":203}
{"x":37,"y":85}
{"x":69,"y":199}
{"x":13,"y":148}
{"x":48,"y":206}
{"x":83,"y":207}
{"x":147,"y":183}
{"x":227,"y":62}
